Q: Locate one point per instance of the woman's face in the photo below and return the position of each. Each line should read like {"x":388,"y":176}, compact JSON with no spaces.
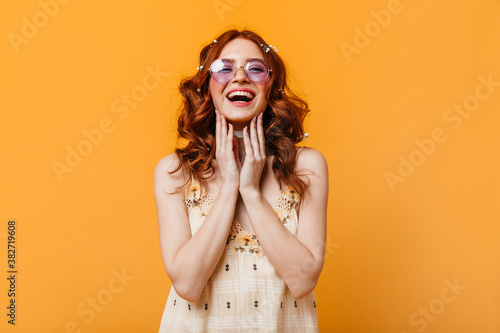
{"x":239,"y":51}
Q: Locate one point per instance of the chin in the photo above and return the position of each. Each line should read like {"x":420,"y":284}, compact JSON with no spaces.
{"x":240,"y":117}
{"x":240,"y":114}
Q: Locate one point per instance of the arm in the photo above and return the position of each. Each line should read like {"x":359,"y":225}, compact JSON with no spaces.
{"x":298,"y":260}
{"x":191,"y":260}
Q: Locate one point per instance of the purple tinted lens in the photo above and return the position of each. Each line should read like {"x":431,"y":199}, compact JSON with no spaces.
{"x":256,"y":70}
{"x":222,"y":70}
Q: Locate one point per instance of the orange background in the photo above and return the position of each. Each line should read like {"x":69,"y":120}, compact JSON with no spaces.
{"x":374,"y":88}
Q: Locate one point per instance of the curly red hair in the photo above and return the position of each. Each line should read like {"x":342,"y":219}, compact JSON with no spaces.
{"x":282,"y":119}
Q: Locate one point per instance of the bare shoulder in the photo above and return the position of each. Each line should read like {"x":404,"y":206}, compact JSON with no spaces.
{"x":313,"y":161}
{"x":167,"y":163}
{"x":164,"y":178}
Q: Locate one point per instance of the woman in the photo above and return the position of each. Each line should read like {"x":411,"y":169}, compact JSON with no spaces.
{"x":241,"y":209}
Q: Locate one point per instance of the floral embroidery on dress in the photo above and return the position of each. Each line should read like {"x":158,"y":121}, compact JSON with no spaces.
{"x":244,"y":241}
{"x":289,"y":200}
{"x":195,"y":197}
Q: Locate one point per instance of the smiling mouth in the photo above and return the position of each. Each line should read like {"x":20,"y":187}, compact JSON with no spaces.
{"x":240,"y":96}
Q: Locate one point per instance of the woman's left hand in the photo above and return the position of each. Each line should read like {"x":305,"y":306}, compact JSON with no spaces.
{"x":255,"y":155}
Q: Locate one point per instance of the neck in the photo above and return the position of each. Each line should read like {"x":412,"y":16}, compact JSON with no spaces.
{"x":241,"y":149}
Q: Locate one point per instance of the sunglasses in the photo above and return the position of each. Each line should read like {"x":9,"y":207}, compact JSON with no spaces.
{"x":223,"y":70}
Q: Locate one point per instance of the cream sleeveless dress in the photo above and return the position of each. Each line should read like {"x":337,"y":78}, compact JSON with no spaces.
{"x":244,"y":294}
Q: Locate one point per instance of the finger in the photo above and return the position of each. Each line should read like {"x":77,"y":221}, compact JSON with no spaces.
{"x":237,"y":157}
{"x":217,"y":131}
{"x":262,"y":139}
{"x":254,"y":138}
{"x":229,"y":139}
{"x":248,"y":143}
{"x":223,"y":132}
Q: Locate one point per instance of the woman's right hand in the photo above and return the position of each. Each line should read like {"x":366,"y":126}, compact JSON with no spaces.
{"x":226,"y":160}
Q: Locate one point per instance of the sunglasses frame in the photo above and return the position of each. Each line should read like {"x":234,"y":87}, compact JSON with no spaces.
{"x":235,"y":69}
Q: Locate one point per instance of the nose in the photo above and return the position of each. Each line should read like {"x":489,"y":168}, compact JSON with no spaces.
{"x":240,"y":75}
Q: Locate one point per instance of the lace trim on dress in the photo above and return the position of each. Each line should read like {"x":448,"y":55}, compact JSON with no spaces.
{"x":244,"y":241}
{"x":196,"y":197}
{"x":289,"y":200}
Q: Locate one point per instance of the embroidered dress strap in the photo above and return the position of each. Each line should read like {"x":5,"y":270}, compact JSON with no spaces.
{"x":194,"y":183}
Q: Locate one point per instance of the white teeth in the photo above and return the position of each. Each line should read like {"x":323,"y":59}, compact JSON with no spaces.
{"x":241,"y":93}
